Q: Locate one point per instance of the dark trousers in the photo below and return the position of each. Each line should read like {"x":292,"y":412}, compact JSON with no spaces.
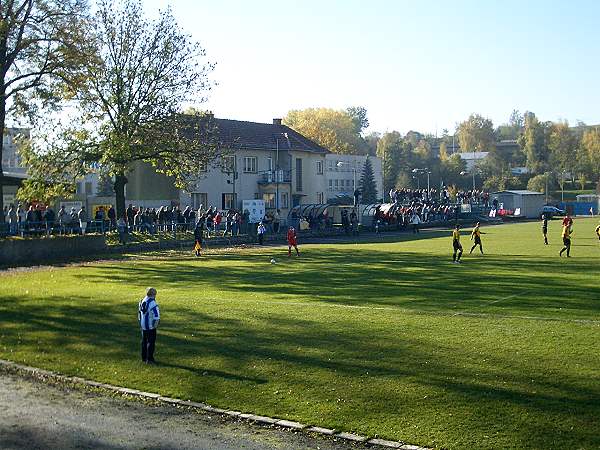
{"x":148,"y":340}
{"x":261,"y":238}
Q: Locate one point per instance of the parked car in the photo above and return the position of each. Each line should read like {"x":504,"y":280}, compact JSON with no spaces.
{"x":551,"y":211}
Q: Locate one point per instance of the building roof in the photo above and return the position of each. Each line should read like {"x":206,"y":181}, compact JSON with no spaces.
{"x":264,"y":136}
{"x":519,"y":192}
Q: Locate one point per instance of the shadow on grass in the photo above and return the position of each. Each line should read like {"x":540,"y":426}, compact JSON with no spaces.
{"x":417,"y":281}
{"x":311,"y":355}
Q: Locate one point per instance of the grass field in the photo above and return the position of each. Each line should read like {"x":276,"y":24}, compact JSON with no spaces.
{"x":381,"y":338}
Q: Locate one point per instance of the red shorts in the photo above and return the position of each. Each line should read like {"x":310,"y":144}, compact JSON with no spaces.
{"x":292,"y":243}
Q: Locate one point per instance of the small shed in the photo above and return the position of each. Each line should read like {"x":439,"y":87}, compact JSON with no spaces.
{"x":524,"y":203}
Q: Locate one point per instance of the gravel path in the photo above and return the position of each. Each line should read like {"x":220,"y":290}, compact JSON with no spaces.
{"x":34,"y":415}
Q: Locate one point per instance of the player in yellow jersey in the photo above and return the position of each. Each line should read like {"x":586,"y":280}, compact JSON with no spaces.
{"x":598,"y":231}
{"x":476,"y":238}
{"x":566,"y":235}
{"x":456,"y":245}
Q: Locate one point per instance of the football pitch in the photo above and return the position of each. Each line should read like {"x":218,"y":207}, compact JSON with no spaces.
{"x":385,"y":338}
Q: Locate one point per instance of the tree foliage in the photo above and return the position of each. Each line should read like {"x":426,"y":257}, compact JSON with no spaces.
{"x":130,"y":97}
{"x":590,"y":144}
{"x":337,"y":131}
{"x":42,"y":42}
{"x":534,"y":143}
{"x":476,"y":134}
{"x":368,"y":186}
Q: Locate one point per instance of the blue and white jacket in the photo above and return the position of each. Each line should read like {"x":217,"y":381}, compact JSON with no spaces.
{"x":148,"y":313}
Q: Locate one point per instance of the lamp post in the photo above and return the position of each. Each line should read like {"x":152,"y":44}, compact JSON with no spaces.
{"x":342,"y":163}
{"x":427,"y":171}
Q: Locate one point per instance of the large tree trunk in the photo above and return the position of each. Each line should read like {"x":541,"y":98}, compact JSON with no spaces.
{"x":2,"y":123}
{"x":119,"y":186}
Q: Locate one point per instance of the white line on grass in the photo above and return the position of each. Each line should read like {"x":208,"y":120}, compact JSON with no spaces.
{"x":426,"y":313}
{"x":508,"y":297}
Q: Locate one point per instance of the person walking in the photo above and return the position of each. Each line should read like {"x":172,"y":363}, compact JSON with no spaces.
{"x":566,"y":235}
{"x":149,"y":318}
{"x":292,"y":239}
{"x":198,"y":234}
{"x":457,"y":248}
{"x":476,"y":238}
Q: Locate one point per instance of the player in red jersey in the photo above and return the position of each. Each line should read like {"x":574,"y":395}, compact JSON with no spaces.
{"x":292,"y":239}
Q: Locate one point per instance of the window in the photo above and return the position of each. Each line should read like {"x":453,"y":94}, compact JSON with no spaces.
{"x":228,"y":200}
{"x":320,"y":197}
{"x":88,"y":188}
{"x":285,"y":200}
{"x":336,"y":183}
{"x":330,"y":182}
{"x":202,"y":167}
{"x":199,"y":200}
{"x":348,"y":183}
{"x":319,"y":167}
{"x":299,"y":174}
{"x":269,"y":200}
{"x":270,"y":164}
{"x":330,"y":165}
{"x":250,"y":164}
{"x":228,"y":163}
{"x":257,"y":196}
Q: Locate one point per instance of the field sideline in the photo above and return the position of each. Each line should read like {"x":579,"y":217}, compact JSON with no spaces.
{"x":381,"y":338}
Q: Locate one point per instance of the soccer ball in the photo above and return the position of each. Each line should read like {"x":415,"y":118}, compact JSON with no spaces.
{"x":273,"y":261}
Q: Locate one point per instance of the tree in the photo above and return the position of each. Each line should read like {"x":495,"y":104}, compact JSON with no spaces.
{"x":335,"y":130}
{"x":513,"y":128}
{"x":562,"y":145}
{"x":443,"y":151}
{"x":476,"y":134}
{"x":397,"y":156}
{"x":371,"y":140}
{"x":358,"y":114}
{"x":533,"y":142}
{"x":41,"y":43}
{"x":368,"y":187}
{"x":590,"y":144}
{"x":129,"y":98}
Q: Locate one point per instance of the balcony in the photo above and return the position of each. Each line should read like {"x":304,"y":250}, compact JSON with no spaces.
{"x":269,"y":177}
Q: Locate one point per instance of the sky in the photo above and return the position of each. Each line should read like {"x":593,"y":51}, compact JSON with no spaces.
{"x":420,"y":65}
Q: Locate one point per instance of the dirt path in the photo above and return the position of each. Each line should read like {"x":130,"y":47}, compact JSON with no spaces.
{"x":38,"y":416}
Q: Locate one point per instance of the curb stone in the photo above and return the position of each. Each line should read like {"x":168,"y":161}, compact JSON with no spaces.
{"x":44,"y":375}
{"x":351,"y":437}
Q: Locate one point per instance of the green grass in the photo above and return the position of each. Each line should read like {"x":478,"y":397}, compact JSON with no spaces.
{"x":385,"y":338}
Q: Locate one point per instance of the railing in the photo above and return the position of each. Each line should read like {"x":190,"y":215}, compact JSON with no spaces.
{"x":284,"y":176}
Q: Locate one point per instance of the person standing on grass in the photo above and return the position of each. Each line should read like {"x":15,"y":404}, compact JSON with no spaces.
{"x":261,"y":230}
{"x":566,"y":235}
{"x":149,"y":318}
{"x":545,"y":228}
{"x":198,"y":234}
{"x":457,"y":248}
{"x":476,"y":238}
{"x":598,"y":232}
{"x":292,"y":239}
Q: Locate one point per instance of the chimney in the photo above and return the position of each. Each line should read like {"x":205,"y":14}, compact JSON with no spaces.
{"x":276,"y":121}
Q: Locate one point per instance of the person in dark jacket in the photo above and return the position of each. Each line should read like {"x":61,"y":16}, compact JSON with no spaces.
{"x":198,"y":235}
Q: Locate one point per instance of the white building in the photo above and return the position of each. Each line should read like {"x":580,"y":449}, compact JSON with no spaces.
{"x":11,"y":161}
{"x":271,"y":162}
{"x":343,"y":173}
{"x":472,"y":158}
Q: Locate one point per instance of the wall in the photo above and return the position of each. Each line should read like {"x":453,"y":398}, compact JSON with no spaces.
{"x":15,"y":252}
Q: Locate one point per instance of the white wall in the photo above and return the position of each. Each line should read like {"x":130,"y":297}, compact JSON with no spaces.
{"x":345,"y":173}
